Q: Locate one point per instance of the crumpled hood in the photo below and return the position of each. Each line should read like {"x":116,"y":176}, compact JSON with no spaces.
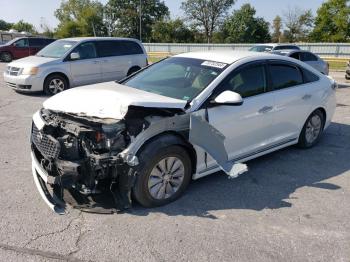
{"x":107,"y":100}
{"x":31,"y":61}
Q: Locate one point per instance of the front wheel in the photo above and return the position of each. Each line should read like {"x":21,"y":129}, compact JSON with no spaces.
{"x":6,"y":57}
{"x":55,"y":84}
{"x":162,"y":176}
{"x":312,"y":130}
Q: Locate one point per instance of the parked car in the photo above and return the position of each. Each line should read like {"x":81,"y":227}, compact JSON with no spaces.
{"x":273,"y":47}
{"x":347,"y":73}
{"x":307,"y":57}
{"x":74,"y":62}
{"x":22,"y":47}
{"x":182,"y":118}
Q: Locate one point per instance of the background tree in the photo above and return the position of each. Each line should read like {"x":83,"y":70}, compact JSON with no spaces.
{"x":80,"y":18}
{"x":332,"y":23}
{"x":24,"y":26}
{"x":206,"y":15}
{"x":277,"y":29}
{"x":123,"y":17}
{"x":4,"y":26}
{"x":243,"y":27}
{"x":171,"y":31}
{"x":298,"y":24}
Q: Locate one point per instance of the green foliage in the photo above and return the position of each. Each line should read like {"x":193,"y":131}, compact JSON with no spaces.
{"x":172,"y":31}
{"x":277,"y":29}
{"x":298,"y":24}
{"x":243,"y":27}
{"x":206,"y":15}
{"x":24,"y":26}
{"x":80,"y":18}
{"x":332,"y":23}
{"x":4,"y":26}
{"x":123,"y":17}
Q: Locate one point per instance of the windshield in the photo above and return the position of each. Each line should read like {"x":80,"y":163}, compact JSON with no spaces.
{"x":261,"y":48}
{"x":56,"y":49}
{"x":177,"y":77}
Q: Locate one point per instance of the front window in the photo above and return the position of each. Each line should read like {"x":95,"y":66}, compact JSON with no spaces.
{"x":57,"y":49}
{"x":181,"y":78}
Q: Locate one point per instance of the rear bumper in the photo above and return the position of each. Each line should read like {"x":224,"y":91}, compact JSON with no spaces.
{"x":24,"y":83}
{"x":42,"y":181}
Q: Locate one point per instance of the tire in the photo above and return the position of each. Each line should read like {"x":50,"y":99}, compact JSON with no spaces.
{"x":347,"y":77}
{"x":54,"y":84}
{"x":133,"y":70}
{"x":151,"y":157}
{"x":312,"y":130}
{"x":6,"y":57}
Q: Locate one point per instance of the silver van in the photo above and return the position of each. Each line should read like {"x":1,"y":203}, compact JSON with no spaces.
{"x":75,"y":62}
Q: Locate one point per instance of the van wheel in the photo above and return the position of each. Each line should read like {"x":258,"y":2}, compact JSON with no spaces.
{"x":54,"y":84}
{"x":133,"y":70}
{"x":312,"y":130}
{"x":6,"y":57}
{"x":162,"y":175}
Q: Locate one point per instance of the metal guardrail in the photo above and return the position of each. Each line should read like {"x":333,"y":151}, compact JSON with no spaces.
{"x":322,"y":49}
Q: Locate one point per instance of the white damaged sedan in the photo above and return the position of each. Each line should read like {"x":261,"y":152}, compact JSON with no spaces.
{"x":182,"y":118}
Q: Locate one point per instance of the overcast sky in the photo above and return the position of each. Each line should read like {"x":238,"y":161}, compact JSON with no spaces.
{"x":34,"y":11}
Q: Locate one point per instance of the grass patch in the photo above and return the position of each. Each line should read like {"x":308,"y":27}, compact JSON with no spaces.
{"x":154,"y":59}
{"x":337,"y":65}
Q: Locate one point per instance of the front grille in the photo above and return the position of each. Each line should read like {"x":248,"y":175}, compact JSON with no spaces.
{"x":13,"y":71}
{"x":47,"y":145}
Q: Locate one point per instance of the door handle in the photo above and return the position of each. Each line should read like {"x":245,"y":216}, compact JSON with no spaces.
{"x":306,"y":97}
{"x":265,"y":109}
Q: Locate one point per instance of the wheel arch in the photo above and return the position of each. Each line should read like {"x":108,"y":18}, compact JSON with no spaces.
{"x":133,"y":68}
{"x":171,"y":138}
{"x":57,"y":73}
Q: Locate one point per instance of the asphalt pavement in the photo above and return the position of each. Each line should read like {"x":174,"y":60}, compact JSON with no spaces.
{"x":292,"y":205}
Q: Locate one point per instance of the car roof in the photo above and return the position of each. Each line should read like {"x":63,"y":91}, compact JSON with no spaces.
{"x":80,"y":39}
{"x":227,"y":57}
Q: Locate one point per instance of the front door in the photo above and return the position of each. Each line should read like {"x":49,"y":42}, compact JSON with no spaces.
{"x":246,"y":127}
{"x":21,"y":48}
{"x":87,"y":69}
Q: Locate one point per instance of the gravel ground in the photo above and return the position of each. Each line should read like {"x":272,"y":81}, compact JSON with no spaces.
{"x":293,"y":205}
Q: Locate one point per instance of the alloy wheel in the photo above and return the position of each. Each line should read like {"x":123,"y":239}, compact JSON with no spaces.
{"x":313,"y":128}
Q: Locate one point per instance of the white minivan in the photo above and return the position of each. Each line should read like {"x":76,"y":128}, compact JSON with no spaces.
{"x":75,"y":62}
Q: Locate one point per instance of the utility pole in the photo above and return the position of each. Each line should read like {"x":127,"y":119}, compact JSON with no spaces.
{"x":140,"y":7}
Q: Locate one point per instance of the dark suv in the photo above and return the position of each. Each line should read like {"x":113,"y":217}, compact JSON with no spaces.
{"x":22,"y":47}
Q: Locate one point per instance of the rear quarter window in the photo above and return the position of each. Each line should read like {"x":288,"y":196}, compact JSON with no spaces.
{"x":309,"y":77}
{"x":131,"y":48}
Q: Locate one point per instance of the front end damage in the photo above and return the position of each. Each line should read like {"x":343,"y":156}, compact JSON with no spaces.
{"x":87,"y":162}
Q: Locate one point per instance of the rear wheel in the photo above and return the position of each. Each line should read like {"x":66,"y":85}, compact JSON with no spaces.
{"x":55,"y":84}
{"x":6,"y":57}
{"x":312,"y":130}
{"x":162,"y":176}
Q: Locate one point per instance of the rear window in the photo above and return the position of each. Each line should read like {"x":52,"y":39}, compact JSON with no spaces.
{"x":261,"y":48}
{"x":117,"y":48}
{"x":284,"y":76}
{"x":36,"y":42}
{"x":306,"y":56}
{"x":131,"y":48}
{"x":285,"y":47}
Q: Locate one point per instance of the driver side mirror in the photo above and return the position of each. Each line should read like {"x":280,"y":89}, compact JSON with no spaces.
{"x":74,"y":56}
{"x":229,"y":98}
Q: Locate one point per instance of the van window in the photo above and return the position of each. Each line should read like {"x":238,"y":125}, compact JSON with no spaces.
{"x":109,"y":48}
{"x":86,"y":50}
{"x":36,"y":42}
{"x":22,"y":43}
{"x":284,"y":76}
{"x":131,"y":48}
{"x":286,"y":47}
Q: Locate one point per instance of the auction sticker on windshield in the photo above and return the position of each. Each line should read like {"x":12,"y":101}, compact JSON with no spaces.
{"x":214,"y":64}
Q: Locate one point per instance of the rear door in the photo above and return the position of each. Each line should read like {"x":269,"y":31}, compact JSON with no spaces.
{"x":292,"y":100}
{"x":87,"y":69}
{"x":246,"y":127}
{"x":20,"y":48}
{"x":113,"y":63}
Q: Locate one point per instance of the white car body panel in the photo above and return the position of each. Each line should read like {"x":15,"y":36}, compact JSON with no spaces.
{"x":249,"y":133}
{"x":115,"y":99}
